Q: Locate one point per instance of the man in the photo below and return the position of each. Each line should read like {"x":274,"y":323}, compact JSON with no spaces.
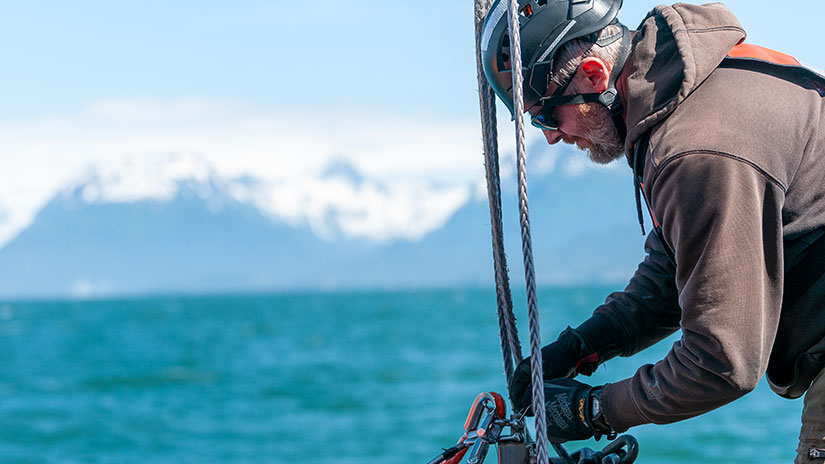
{"x":727,"y":144}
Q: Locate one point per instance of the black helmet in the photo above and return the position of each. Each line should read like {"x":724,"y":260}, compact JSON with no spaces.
{"x":546,"y":25}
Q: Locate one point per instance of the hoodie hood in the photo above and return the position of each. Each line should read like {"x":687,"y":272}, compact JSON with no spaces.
{"x":675,"y":50}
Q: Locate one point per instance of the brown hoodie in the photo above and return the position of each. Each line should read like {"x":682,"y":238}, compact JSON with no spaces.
{"x":735,"y":174}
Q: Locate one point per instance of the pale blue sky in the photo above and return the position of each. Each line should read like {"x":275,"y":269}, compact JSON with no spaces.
{"x":273,"y":89}
{"x":411,"y":58}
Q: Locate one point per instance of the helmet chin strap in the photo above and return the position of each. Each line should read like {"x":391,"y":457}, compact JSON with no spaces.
{"x":610,"y":97}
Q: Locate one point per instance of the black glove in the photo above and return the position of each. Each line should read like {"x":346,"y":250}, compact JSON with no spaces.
{"x":570,"y":410}
{"x":566,"y":357}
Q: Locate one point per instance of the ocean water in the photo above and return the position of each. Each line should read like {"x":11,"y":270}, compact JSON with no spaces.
{"x":316,"y":378}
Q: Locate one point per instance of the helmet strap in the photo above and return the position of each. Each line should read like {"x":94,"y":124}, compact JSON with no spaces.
{"x":610,"y":97}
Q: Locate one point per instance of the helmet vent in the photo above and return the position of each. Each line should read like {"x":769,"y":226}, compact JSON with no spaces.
{"x":541,"y":2}
{"x":527,"y":10}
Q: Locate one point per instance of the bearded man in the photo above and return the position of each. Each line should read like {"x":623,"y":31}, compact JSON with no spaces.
{"x":727,"y":144}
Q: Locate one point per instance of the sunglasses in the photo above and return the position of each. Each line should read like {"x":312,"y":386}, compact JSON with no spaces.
{"x":545,"y":118}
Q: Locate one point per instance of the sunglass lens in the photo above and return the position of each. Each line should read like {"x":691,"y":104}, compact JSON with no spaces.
{"x":545,"y":121}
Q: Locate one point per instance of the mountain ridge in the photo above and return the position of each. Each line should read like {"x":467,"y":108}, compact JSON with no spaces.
{"x":98,"y":237}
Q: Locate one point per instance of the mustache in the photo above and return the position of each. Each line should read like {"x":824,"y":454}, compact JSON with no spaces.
{"x":577,"y":141}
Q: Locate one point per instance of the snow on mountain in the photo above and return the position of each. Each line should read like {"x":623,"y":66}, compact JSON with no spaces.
{"x":340,"y":202}
{"x":171,"y":224}
{"x":343,"y":169}
{"x":148,"y":177}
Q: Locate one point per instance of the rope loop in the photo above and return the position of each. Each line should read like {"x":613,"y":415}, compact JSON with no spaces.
{"x":509,"y":336}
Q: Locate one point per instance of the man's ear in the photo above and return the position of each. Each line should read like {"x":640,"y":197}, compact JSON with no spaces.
{"x":595,"y":73}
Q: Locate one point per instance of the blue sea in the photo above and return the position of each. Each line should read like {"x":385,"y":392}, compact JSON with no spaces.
{"x":302,"y":378}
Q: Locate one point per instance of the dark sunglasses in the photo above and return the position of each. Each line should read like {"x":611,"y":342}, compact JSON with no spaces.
{"x":545,"y":118}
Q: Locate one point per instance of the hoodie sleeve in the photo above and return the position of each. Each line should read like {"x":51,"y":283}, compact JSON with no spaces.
{"x":722,"y":218}
{"x":644,"y":313}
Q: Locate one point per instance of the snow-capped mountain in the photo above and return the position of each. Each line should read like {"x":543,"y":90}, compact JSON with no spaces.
{"x":338,"y":202}
{"x":172,"y":224}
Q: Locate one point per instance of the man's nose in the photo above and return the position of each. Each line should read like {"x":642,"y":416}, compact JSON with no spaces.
{"x":553,"y":137}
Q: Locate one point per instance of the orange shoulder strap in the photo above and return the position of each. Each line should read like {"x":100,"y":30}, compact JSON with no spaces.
{"x":755,"y":52}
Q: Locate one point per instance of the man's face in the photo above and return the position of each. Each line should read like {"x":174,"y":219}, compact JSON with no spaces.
{"x":588,"y":126}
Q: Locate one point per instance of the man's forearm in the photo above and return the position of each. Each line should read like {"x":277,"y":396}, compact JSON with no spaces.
{"x":648,"y":309}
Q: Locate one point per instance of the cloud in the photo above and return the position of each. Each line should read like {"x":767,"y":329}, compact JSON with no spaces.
{"x":424,"y":166}
{"x":150,"y":177}
{"x":405,"y":210}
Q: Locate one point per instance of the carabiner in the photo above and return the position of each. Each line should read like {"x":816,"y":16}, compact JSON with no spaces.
{"x":482,"y":428}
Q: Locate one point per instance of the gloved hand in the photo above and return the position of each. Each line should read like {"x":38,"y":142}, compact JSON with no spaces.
{"x":574,"y":411}
{"x":567,"y":405}
{"x":566,"y":357}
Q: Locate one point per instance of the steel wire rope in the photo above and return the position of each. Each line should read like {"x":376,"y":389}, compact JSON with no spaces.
{"x":511,"y":347}
{"x":494,"y":194}
{"x":542,"y":455}
{"x":508,"y":331}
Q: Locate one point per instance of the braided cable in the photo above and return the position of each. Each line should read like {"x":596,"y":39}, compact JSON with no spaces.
{"x":508,"y":331}
{"x":542,"y":455}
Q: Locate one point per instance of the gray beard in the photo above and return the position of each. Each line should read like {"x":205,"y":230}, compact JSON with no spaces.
{"x":606,"y":146}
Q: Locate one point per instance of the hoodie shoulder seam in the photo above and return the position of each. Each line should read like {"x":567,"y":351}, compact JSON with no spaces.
{"x":716,"y":29}
{"x":669,"y":160}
